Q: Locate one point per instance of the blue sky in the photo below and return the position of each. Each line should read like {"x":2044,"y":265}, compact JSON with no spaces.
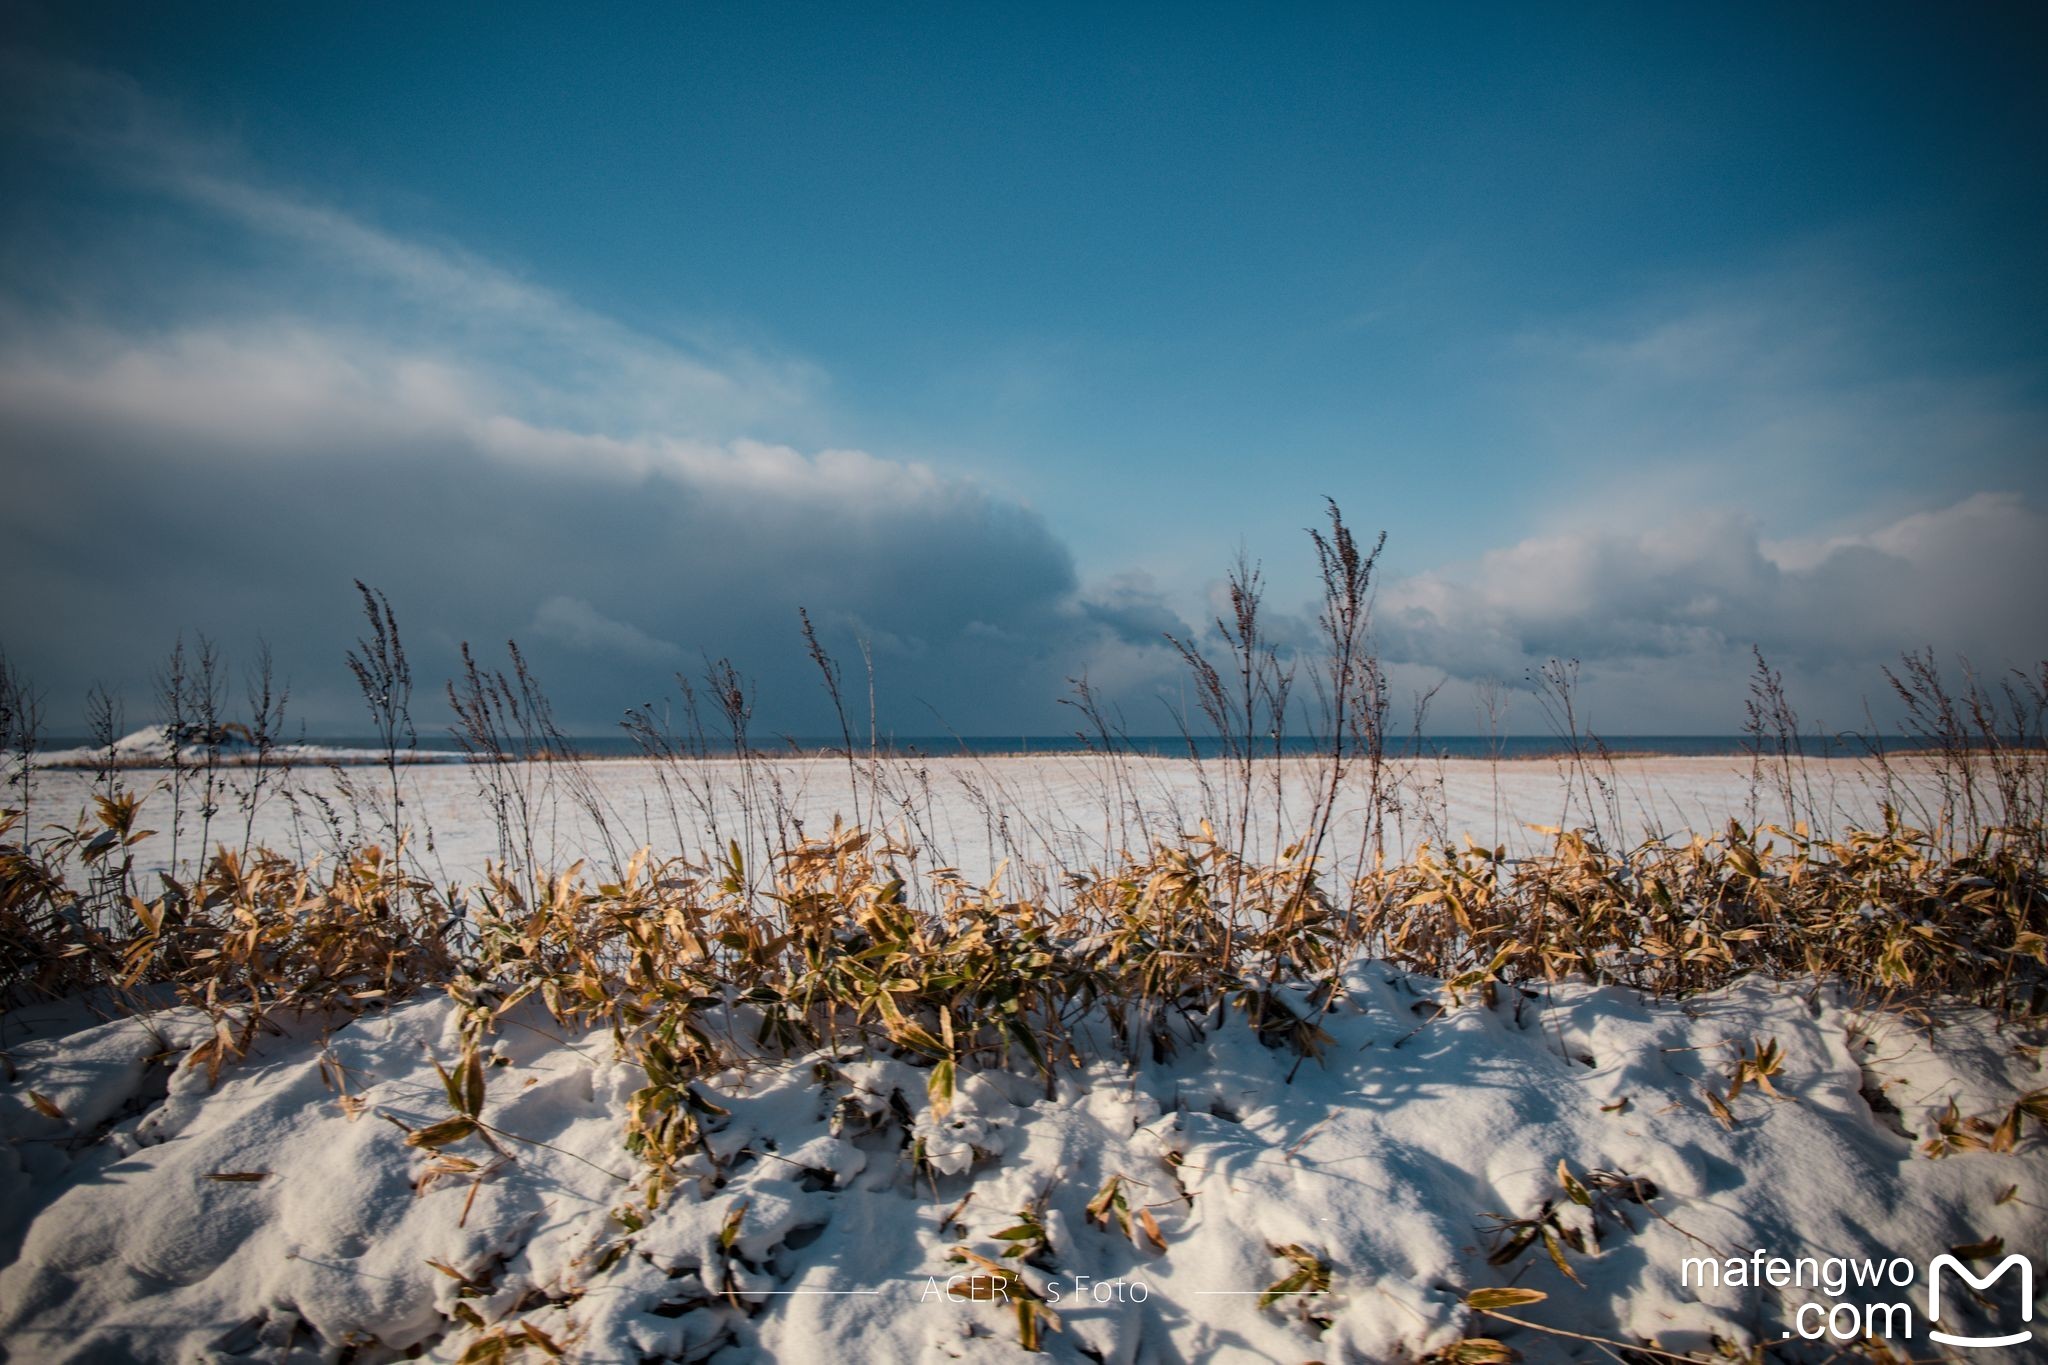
{"x":1646,"y":334}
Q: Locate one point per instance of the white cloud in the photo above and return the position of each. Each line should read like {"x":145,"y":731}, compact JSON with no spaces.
{"x":1963,"y":579}
{"x":571,"y":363}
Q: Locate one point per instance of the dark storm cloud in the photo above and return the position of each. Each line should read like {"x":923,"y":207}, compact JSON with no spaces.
{"x":1133,"y":609}
{"x":233,"y":480}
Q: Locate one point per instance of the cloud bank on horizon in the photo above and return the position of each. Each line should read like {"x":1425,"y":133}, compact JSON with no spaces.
{"x":222,"y":398}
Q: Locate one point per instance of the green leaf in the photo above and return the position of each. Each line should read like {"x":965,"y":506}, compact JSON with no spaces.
{"x":1293,"y":1284}
{"x":702,"y":1105}
{"x":1020,"y":1031}
{"x":450,"y":1086}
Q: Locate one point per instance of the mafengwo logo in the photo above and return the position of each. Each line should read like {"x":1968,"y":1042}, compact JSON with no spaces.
{"x":1946,"y":1262}
{"x":1963,"y":1308}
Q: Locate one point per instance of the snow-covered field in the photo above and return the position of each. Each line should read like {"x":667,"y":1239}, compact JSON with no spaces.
{"x":1580,"y":1142}
{"x":1057,"y":810}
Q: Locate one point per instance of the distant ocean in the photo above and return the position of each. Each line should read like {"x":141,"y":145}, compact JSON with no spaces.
{"x":1178,"y":746}
{"x":1164,"y":746}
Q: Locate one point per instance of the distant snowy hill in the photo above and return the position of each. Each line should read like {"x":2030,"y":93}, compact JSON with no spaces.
{"x":156,"y":746}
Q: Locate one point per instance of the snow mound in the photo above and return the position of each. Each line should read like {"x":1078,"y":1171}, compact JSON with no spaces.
{"x":156,"y":746}
{"x":282,"y":1216}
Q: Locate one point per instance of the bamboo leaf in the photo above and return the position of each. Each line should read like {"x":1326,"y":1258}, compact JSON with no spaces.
{"x":472,"y":1084}
{"x":1577,"y":1192}
{"x":435,"y":1136}
{"x":1556,"y":1250}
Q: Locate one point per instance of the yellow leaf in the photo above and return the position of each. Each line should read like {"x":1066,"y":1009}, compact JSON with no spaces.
{"x":438,"y":1135}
